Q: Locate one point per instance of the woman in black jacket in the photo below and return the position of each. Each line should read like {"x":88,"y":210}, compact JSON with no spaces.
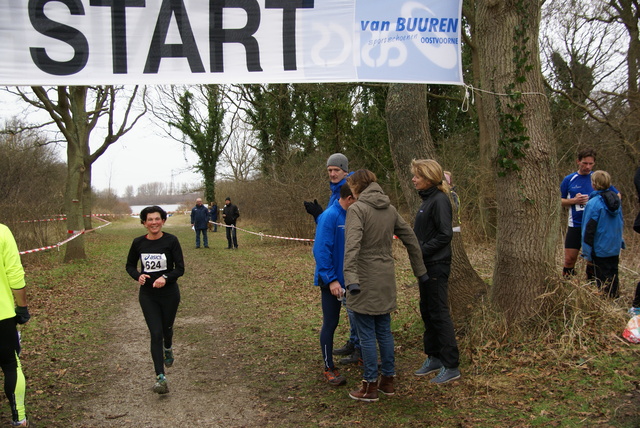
{"x":433,"y":227}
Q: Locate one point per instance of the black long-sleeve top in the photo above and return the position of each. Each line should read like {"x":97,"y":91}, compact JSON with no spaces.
{"x":157,"y":257}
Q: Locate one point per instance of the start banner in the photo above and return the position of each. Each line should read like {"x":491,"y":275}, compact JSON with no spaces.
{"x":86,"y":42}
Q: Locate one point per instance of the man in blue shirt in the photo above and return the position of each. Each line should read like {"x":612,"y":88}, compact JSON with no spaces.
{"x":574,"y":191}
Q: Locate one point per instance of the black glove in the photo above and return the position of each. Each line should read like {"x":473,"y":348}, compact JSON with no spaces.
{"x":424,"y":278}
{"x":22,"y":314}
{"x":353,"y":289}
{"x":313,"y":208}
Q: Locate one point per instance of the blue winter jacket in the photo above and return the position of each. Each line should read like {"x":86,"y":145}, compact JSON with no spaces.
{"x":200,"y":217}
{"x":602,"y":225}
{"x":328,"y":247}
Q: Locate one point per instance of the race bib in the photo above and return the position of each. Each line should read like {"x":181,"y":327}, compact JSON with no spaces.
{"x":153,"y":262}
{"x":580,"y":207}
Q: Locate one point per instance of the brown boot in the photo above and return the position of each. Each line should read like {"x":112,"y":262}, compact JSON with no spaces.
{"x":386,"y":385}
{"x":368,"y":392}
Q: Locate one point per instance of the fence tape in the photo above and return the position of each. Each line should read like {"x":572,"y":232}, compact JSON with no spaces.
{"x":75,"y":234}
{"x":262,"y":235}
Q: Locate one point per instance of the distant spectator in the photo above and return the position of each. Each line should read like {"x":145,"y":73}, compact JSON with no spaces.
{"x":213,"y":216}
{"x":200,"y":222}
{"x":230,"y":214}
{"x":602,"y":233}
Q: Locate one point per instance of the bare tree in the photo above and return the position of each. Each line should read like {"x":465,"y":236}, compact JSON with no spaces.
{"x":76,"y":120}
{"x":240,"y":156}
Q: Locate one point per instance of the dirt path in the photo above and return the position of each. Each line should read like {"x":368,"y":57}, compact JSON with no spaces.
{"x":206,"y":389}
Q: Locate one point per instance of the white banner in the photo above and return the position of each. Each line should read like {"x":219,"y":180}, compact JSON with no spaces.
{"x":86,"y":42}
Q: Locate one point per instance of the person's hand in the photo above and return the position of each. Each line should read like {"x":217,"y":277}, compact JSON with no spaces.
{"x":336,"y":289}
{"x":160,"y":282}
{"x":313,"y":208}
{"x":582,"y":199}
{"x":22,"y":314}
{"x":423,"y":279}
{"x":143,"y":278}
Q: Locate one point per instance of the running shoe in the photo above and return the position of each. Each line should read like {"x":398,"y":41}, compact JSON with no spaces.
{"x":168,"y":357}
{"x":161,"y":386}
{"x":22,"y":423}
{"x":430,"y":365}
{"x":446,"y":375}
{"x":334,"y":378}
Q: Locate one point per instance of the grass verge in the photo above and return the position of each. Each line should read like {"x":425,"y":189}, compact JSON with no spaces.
{"x":549,"y":373}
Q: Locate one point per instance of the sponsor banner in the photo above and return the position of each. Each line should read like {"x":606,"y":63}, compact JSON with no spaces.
{"x":86,"y":42}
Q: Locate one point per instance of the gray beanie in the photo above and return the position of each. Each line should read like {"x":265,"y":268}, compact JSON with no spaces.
{"x":339,"y":160}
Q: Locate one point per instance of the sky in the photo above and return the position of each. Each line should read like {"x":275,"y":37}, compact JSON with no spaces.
{"x":141,"y":156}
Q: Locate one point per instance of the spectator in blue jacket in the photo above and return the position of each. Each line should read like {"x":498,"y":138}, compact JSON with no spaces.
{"x":602,"y":233}
{"x":213,"y":216}
{"x":328,"y":251}
{"x":200,"y":222}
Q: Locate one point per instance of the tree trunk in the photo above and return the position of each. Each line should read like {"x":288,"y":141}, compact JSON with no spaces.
{"x":87,"y":198}
{"x":73,"y":202}
{"x":519,"y":126}
{"x":409,"y":138}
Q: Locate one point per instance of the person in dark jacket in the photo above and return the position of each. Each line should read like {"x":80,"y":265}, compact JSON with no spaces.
{"x":230,"y":214}
{"x":602,"y":233}
{"x":200,"y":222}
{"x":433,"y":227}
{"x":213,"y":216}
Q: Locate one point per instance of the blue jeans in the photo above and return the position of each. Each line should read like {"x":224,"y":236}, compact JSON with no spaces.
{"x":372,"y":329}
{"x":204,"y":237}
{"x":353,"y":331}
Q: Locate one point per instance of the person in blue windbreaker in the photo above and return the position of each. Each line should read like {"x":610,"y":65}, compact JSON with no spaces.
{"x":328,"y":251}
{"x":602,"y":233}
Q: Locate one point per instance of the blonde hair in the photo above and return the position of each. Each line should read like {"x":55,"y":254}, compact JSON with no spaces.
{"x":359,"y":180}
{"x":600,"y":180}
{"x":431,"y":171}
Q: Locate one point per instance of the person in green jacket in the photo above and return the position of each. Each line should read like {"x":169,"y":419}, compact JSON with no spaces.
{"x":369,"y":275}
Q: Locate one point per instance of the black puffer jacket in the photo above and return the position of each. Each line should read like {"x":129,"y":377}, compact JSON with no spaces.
{"x":433,"y":226}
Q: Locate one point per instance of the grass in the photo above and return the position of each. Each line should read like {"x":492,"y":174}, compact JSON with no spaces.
{"x":566,"y":368}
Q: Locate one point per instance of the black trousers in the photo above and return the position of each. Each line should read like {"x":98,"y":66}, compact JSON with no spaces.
{"x":232,"y":238}
{"x":9,"y":351}
{"x":606,"y":274}
{"x":439,"y":338}
{"x":160,"y":308}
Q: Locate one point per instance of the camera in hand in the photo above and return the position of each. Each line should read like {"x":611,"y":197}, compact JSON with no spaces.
{"x":353,"y":288}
